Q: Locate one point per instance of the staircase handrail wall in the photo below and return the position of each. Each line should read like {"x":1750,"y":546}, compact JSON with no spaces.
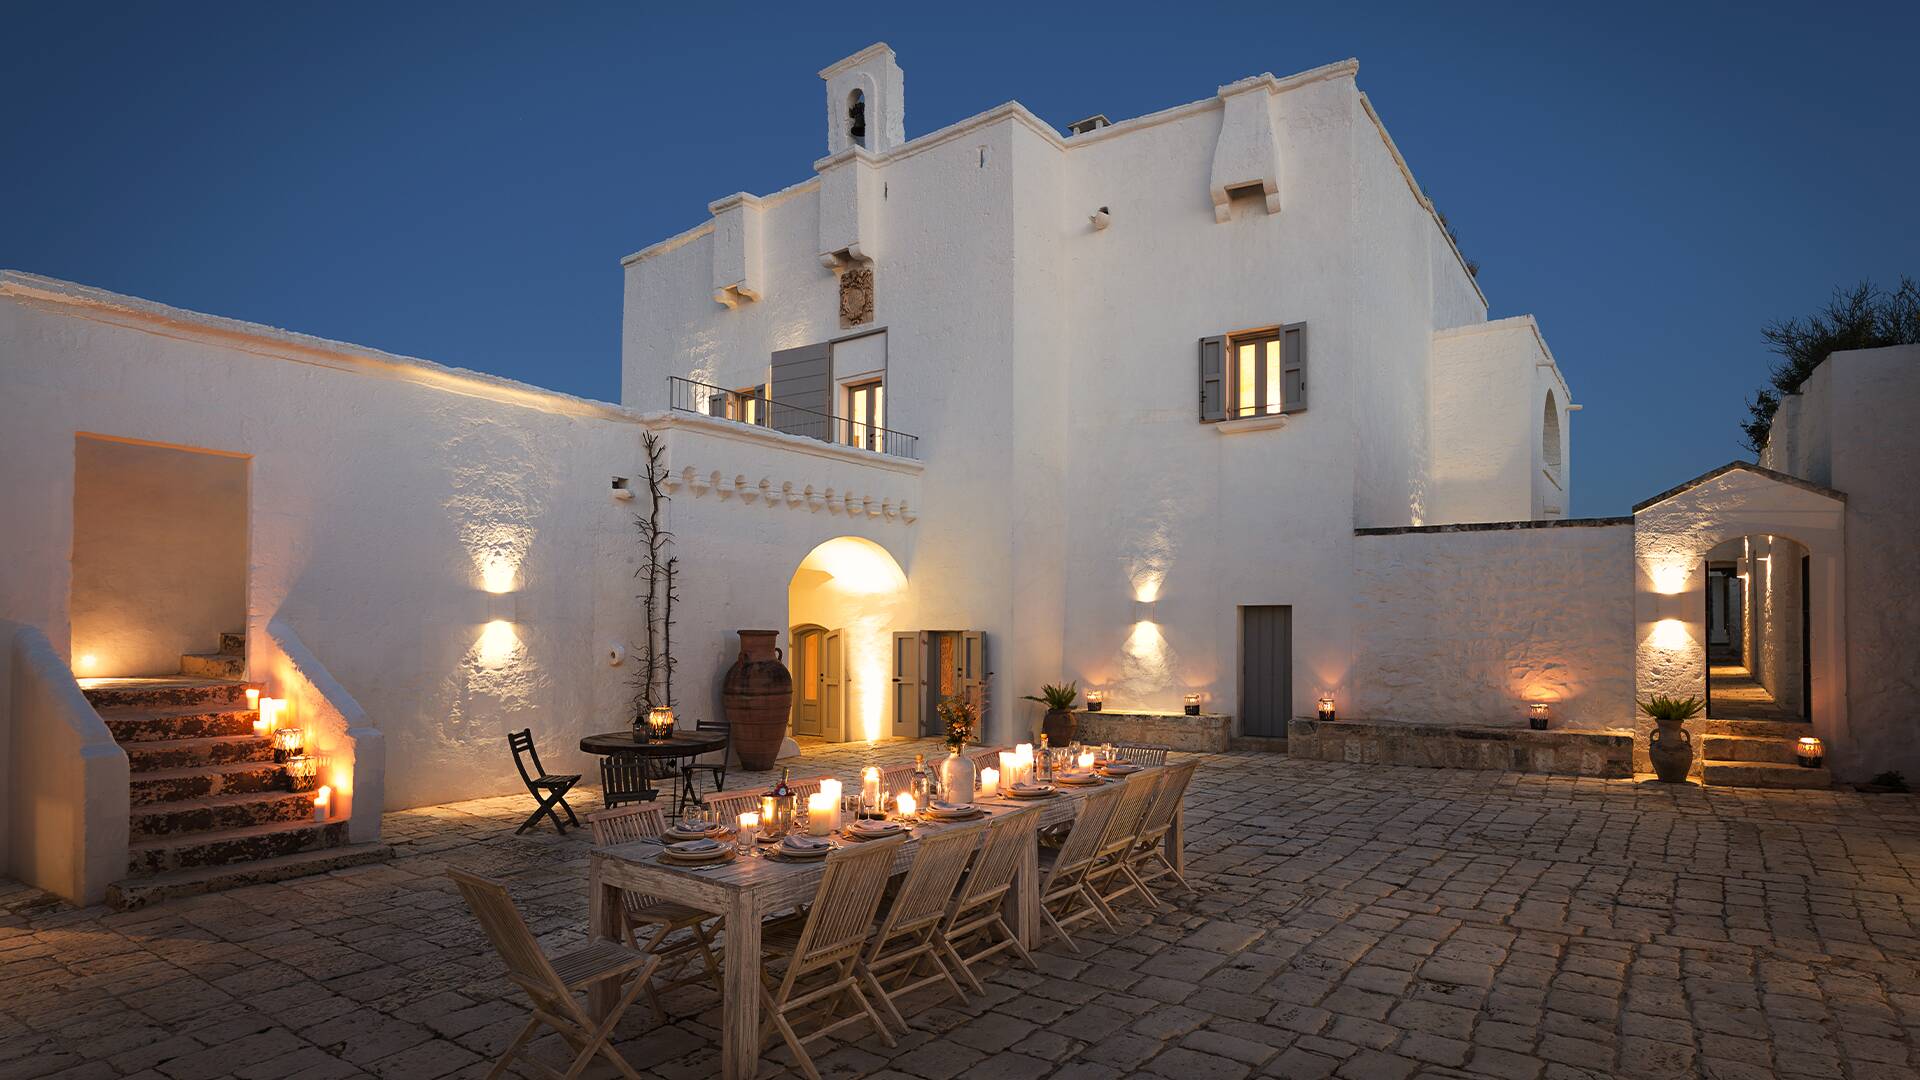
{"x":63,"y":779}
{"x":335,"y":727}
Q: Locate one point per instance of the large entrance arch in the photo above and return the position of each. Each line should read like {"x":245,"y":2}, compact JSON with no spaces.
{"x":1689,"y":541}
{"x":844,"y":601}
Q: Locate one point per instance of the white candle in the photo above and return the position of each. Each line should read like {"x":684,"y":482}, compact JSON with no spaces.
{"x":253,"y":697}
{"x":906,"y":805}
{"x":749,"y":824}
{"x":831,"y":789}
{"x":819,"y":814}
{"x":1085,"y":760}
{"x":322,"y":802}
{"x":1010,"y":767}
{"x":268,"y":709}
{"x":1024,"y":753}
{"x":989,"y":782}
{"x":870,"y":790}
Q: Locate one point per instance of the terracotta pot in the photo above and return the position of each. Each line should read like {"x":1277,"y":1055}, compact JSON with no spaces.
{"x":756,"y":696}
{"x":1058,"y":726}
{"x":1671,"y":749}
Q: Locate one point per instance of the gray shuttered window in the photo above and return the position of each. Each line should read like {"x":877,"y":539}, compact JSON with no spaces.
{"x":1293,"y":371}
{"x":1213,"y":378}
{"x":802,"y":379}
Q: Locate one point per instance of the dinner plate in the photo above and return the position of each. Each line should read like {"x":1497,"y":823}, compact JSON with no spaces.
{"x":1078,"y":778}
{"x":1041,"y":792}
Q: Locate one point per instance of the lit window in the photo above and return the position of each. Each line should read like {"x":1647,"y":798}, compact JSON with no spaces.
{"x":1253,"y":373}
{"x":866,"y":414}
{"x":748,"y":405}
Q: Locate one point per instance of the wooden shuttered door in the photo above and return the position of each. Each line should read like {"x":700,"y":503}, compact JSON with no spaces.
{"x":802,"y":379}
{"x":1293,"y":369}
{"x":1213,"y":378}
{"x":1266,"y":670}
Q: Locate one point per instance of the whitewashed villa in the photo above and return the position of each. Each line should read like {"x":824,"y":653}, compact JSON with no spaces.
{"x":1199,"y":403}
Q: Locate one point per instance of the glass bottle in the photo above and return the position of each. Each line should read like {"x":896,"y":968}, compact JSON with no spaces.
{"x":920,"y":786}
{"x":1045,"y":764}
{"x":781,"y":798}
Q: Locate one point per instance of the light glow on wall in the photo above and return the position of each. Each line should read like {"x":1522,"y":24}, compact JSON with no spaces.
{"x":1671,"y":578}
{"x":88,"y":662}
{"x":497,"y":643}
{"x":854,"y":586}
{"x":497,"y":574}
{"x":1670,"y":634}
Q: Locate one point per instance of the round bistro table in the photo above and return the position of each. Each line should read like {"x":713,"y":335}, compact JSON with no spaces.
{"x":683,"y":744}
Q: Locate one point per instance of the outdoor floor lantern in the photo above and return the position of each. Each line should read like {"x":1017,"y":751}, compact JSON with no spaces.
{"x":1538,"y":714}
{"x":1326,"y":708}
{"x":1810,"y":753}
{"x":1193,"y":704}
{"x":1095,"y":698}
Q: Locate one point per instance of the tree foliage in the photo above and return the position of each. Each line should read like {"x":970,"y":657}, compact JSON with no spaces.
{"x":1863,"y":317}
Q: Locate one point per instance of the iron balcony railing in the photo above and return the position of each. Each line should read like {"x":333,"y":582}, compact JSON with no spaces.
{"x":759,"y":410}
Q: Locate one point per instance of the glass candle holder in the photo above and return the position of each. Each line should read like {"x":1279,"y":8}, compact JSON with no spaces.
{"x":1095,"y":699}
{"x":1193,"y":704}
{"x":1810,"y":753}
{"x":1325,"y":711}
{"x":1538,"y":715}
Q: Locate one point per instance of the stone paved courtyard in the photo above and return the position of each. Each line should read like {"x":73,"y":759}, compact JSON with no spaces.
{"x":1356,"y":921}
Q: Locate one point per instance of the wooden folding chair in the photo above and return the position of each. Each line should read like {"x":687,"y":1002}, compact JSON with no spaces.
{"x":1064,"y":898}
{"x":548,"y":789}
{"x":648,"y":922}
{"x":1110,"y":878}
{"x":1147,"y":756}
{"x":974,"y":915}
{"x":820,"y":949}
{"x":628,"y":778}
{"x":986,"y":757}
{"x":1149,"y":861}
{"x":551,"y":984}
{"x":909,"y":933}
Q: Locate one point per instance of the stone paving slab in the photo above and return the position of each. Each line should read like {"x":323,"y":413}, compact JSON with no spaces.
{"x":1353,"y":921}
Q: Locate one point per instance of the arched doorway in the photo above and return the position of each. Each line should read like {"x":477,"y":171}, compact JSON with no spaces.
{"x":843,"y":603}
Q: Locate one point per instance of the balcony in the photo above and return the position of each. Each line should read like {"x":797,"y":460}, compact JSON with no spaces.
{"x":758,"y":410}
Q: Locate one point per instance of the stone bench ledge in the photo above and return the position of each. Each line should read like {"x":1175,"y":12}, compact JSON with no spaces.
{"x":1597,"y":752}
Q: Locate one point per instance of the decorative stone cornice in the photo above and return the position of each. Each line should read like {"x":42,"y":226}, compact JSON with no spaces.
{"x":770,"y":494}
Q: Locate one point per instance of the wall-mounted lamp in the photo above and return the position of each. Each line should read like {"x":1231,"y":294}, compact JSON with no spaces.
{"x":1095,"y":699}
{"x":1101,"y":219}
{"x":620,"y":489}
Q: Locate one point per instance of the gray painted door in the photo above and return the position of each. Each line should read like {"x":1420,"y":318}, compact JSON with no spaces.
{"x":1266,"y":670}
{"x":908,"y":687}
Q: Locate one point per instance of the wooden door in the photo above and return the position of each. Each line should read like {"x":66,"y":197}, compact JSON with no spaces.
{"x":1266,"y":670}
{"x":833,"y":698}
{"x":970,"y":668}
{"x":908,"y":686}
{"x":807,"y":676}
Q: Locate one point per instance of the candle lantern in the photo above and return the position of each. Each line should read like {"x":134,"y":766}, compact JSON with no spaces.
{"x":660,"y":723}
{"x":302,"y":770}
{"x":1193,"y":704}
{"x":906,"y":805}
{"x":1538,"y":714}
{"x":1095,"y":699}
{"x":1810,"y":753}
{"x":286,"y":744}
{"x":749,"y":823}
{"x":1325,"y":712}
{"x":870,"y":793}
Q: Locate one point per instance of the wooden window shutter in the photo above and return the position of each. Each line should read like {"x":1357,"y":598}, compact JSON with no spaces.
{"x":802,"y":379}
{"x":1213,"y":378}
{"x":1293,"y":368}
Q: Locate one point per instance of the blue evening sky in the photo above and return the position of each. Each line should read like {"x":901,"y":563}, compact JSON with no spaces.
{"x":459,"y":182}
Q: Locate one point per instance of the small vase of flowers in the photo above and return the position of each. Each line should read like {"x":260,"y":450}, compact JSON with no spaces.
{"x":959,"y":718}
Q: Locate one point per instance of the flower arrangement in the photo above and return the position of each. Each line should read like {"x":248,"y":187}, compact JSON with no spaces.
{"x":960,"y":719}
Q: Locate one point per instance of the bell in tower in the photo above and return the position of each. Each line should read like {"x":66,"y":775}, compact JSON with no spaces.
{"x":866,"y":101}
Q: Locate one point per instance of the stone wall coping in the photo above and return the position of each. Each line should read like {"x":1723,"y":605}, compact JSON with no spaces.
{"x":1498,"y":526}
{"x":1150,"y":714}
{"x":1460,"y":731}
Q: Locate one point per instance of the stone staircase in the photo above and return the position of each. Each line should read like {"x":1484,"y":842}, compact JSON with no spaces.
{"x":1756,"y":754}
{"x":229,"y":663}
{"x":209,"y":807}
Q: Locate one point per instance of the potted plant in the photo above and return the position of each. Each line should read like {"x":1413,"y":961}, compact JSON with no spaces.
{"x":1058,"y":725}
{"x":959,"y":718}
{"x":1670,"y":747}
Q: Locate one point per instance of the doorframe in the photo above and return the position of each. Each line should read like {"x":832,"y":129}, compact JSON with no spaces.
{"x":795,"y":654}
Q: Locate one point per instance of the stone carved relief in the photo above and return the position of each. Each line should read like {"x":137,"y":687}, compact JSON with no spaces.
{"x":856,"y":295}
{"x":747,"y":492}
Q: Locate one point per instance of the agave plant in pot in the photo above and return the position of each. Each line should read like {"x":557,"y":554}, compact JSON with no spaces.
{"x":1669,"y":745}
{"x":1058,"y":725}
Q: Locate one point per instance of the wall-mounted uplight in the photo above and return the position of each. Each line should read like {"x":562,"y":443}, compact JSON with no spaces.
{"x":1670,"y":634}
{"x":497,"y":642}
{"x":1670,"y":579}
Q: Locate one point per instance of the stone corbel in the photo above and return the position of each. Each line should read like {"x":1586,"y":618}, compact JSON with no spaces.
{"x":833,"y":502}
{"x":788,"y":495}
{"x":907,"y":513}
{"x":700,"y":485}
{"x":814,"y":501}
{"x":1247,"y":153}
{"x":886,"y":509}
{"x":738,"y":268}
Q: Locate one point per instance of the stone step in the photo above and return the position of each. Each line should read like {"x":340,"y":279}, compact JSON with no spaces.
{"x":1762,"y":774}
{"x":155,"y":786}
{"x":162,"y":692}
{"x":171,"y":754}
{"x":251,"y":844}
{"x":1743,"y":748}
{"x":218,"y":665}
{"x":218,"y":813}
{"x":1759,"y":729}
{"x":176,"y":722}
{"x":233,"y":644}
{"x":137,"y":892}
{"x":1259,"y":744}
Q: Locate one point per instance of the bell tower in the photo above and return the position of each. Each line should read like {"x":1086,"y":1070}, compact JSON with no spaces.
{"x":866,"y":101}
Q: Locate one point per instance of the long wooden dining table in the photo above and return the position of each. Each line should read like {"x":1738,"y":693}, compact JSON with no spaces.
{"x":749,"y":888}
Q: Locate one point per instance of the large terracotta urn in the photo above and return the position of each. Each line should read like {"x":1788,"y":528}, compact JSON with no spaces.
{"x":756,"y":695}
{"x":1671,"y":749}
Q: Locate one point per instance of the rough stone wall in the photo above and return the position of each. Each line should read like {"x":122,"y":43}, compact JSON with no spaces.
{"x":1467,"y":626}
{"x":1775,"y":581}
